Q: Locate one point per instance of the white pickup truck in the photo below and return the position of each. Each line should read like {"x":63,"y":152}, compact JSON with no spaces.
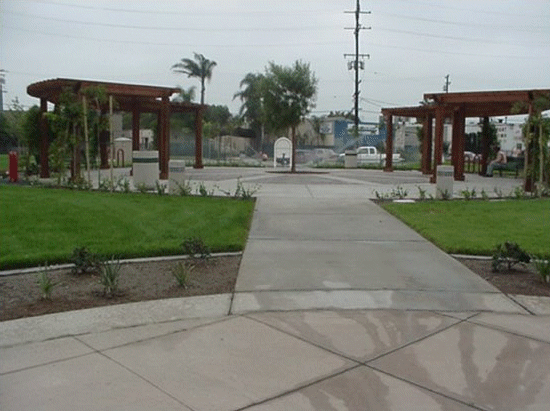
{"x":370,"y":155}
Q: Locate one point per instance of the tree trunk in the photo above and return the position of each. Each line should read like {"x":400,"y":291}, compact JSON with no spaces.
{"x":293,"y":155}
{"x":541,"y":157}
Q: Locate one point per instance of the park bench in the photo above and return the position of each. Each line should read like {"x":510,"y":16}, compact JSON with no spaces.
{"x":512,"y":164}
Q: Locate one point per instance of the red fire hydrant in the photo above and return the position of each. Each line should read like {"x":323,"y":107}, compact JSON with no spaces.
{"x":12,"y":158}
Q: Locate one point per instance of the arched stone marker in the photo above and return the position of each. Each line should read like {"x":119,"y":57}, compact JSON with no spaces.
{"x":282,"y":153}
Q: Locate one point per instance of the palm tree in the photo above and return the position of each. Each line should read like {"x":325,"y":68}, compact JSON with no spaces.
{"x":200,"y":67}
{"x":185,"y":96}
{"x":251,"y":96}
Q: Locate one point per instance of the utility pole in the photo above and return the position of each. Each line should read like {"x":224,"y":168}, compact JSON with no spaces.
{"x":2,"y":91}
{"x":447,"y":84}
{"x":356,"y":64}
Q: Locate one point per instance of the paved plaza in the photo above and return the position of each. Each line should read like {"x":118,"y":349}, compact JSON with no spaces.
{"x":338,"y":306}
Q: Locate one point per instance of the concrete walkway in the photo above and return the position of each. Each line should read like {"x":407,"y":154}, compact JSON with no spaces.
{"x":338,"y":306}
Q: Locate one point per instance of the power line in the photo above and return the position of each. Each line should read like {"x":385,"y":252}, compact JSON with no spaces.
{"x":471,"y":40}
{"x":308,"y":11}
{"x":492,"y":12}
{"x":458,"y":53}
{"x":149,"y":43}
{"x":531,"y":29}
{"x":201,"y":29}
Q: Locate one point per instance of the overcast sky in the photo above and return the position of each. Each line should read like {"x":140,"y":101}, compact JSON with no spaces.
{"x":413,"y":45}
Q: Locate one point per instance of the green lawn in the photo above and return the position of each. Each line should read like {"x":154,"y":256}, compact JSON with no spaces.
{"x":4,"y":162}
{"x":475,"y":227}
{"x":41,"y":225}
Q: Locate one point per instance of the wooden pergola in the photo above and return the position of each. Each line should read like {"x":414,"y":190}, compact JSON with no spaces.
{"x":457,"y":107}
{"x":135,"y":99}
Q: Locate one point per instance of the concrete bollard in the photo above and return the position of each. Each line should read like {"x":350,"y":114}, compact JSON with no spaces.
{"x":145,"y":168}
{"x":176,"y":175}
{"x":350,"y":159}
{"x":445,"y":179}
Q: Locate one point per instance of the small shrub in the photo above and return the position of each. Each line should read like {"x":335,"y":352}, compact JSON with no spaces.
{"x":142,"y":188}
{"x":161,"y":188}
{"x":468,"y":194}
{"x":45,"y":283}
{"x":79,"y":184}
{"x":106,"y":185}
{"x":109,"y":274}
{"x":542,"y":266}
{"x":498,"y":192}
{"x":203,"y":191}
{"x":484,"y":195}
{"x":542,"y":191}
{"x":381,"y":196}
{"x":507,"y":255}
{"x":518,"y":193}
{"x":84,"y":261}
{"x":445,"y":194}
{"x":195,"y":248}
{"x":124,"y":184}
{"x":181,"y":272}
{"x":245,"y":193}
{"x":399,"y":192}
{"x":184,"y":189}
{"x":421,"y":193}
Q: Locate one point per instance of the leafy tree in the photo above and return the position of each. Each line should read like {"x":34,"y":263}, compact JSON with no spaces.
{"x":219,"y":115}
{"x":8,"y":137}
{"x":536,"y":134}
{"x":345,"y":114}
{"x":288,"y":94}
{"x":200,"y":68}
{"x":31,"y":137}
{"x":94,"y":98}
{"x":65,"y":121}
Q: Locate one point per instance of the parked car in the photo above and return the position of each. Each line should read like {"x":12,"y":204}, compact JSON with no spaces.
{"x":470,"y":156}
{"x":370,"y":155}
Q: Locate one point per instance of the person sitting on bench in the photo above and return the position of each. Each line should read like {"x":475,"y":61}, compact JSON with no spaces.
{"x":500,"y":160}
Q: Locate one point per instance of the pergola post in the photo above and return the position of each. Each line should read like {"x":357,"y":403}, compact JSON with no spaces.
{"x":135,"y":125}
{"x":457,"y":149}
{"x":484,"y":146}
{"x":104,"y":139}
{"x":164,"y":154}
{"x":438,"y":152}
{"x":389,"y":143}
{"x":198,"y":139}
{"x":44,"y":144}
{"x":427,"y":141}
{"x":528,"y":184}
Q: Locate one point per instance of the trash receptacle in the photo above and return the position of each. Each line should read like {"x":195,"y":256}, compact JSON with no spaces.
{"x":176,"y":175}
{"x":445,"y":178}
{"x":12,"y":168}
{"x":350,"y":159}
{"x":145,"y":168}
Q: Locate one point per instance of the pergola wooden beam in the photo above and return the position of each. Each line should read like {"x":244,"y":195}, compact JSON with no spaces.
{"x":135,"y":99}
